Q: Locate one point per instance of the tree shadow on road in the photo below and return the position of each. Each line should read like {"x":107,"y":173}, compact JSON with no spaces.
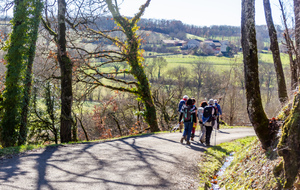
{"x":94,"y":165}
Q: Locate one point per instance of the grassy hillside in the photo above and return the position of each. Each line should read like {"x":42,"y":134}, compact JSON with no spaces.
{"x":252,"y":167}
{"x":222,"y":63}
{"x":191,"y":36}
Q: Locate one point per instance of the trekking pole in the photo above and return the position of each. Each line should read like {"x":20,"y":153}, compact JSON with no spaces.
{"x":200,"y":133}
{"x":215,"y":137}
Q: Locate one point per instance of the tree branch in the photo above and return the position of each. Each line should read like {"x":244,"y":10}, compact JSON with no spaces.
{"x":47,"y":27}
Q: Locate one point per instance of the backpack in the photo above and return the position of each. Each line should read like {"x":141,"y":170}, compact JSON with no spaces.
{"x":200,"y":112}
{"x":181,"y":103}
{"x":216,"y":109}
{"x":207,"y":113}
{"x":187,"y":113}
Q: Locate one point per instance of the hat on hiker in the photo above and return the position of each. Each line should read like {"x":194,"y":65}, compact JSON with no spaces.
{"x":185,"y":97}
{"x":189,"y":102}
{"x":211,"y":102}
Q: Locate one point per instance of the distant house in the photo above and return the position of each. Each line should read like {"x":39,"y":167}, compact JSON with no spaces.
{"x":209,"y":42}
{"x":224,"y":45}
{"x":212,"y":45}
{"x":181,"y":42}
{"x":193,"y":43}
{"x":207,"y":48}
{"x":174,"y":42}
{"x":169,"y":42}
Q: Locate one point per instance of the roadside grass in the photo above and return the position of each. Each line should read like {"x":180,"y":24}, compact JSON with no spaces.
{"x":252,"y":167}
{"x":214,"y":158}
{"x":11,"y":151}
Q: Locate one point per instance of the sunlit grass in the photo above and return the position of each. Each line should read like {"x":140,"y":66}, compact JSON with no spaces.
{"x":18,"y":149}
{"x":214,"y":157}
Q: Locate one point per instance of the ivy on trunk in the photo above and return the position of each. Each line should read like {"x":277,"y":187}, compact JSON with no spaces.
{"x":129,"y":52}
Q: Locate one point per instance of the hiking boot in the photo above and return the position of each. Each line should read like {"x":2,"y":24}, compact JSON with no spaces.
{"x":188,"y":143}
{"x":181,"y":140}
{"x":192,"y":139}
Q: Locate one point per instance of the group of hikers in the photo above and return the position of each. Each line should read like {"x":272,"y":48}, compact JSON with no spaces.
{"x":207,"y":115}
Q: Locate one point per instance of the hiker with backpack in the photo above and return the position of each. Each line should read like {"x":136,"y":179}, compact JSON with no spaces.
{"x":219,"y":113}
{"x":181,"y":103}
{"x":200,"y":114}
{"x":195,"y":124}
{"x":208,"y":119}
{"x":188,"y":116}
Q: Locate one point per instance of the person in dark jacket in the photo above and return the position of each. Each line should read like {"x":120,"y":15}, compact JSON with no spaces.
{"x":219,"y":113}
{"x":181,"y":103}
{"x":188,"y":117}
{"x":195,"y":124}
{"x":208,"y":120}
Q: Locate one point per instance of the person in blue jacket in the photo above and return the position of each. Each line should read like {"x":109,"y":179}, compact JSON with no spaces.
{"x":188,"y":117}
{"x":181,"y":103}
{"x":219,"y":113}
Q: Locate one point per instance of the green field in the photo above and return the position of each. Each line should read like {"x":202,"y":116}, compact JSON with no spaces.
{"x":223,"y":63}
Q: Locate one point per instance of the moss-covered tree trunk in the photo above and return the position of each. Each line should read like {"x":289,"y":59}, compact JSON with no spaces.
{"x":145,"y":93}
{"x":282,"y":92}
{"x":66,"y":76}
{"x":255,"y":109}
{"x":34,"y":26}
{"x":134,"y":59}
{"x":16,"y":54}
{"x":289,"y":145}
{"x":297,"y":29}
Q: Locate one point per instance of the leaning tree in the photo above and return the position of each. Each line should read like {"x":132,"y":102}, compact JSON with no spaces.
{"x":126,"y":41}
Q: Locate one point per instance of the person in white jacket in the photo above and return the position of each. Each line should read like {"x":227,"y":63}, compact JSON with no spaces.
{"x":199,"y":114}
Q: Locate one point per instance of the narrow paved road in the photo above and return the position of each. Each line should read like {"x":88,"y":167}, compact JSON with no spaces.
{"x":147,"y":162}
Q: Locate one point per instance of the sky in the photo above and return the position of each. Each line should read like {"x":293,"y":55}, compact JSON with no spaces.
{"x":201,"y":12}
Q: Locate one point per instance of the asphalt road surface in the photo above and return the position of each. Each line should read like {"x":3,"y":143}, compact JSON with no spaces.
{"x":146,"y":162}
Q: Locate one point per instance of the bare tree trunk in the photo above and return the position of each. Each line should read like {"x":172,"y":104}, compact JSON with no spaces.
{"x":282,"y":92}
{"x":255,"y":109}
{"x":294,"y":66}
{"x":66,"y":76}
{"x":293,"y":63}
